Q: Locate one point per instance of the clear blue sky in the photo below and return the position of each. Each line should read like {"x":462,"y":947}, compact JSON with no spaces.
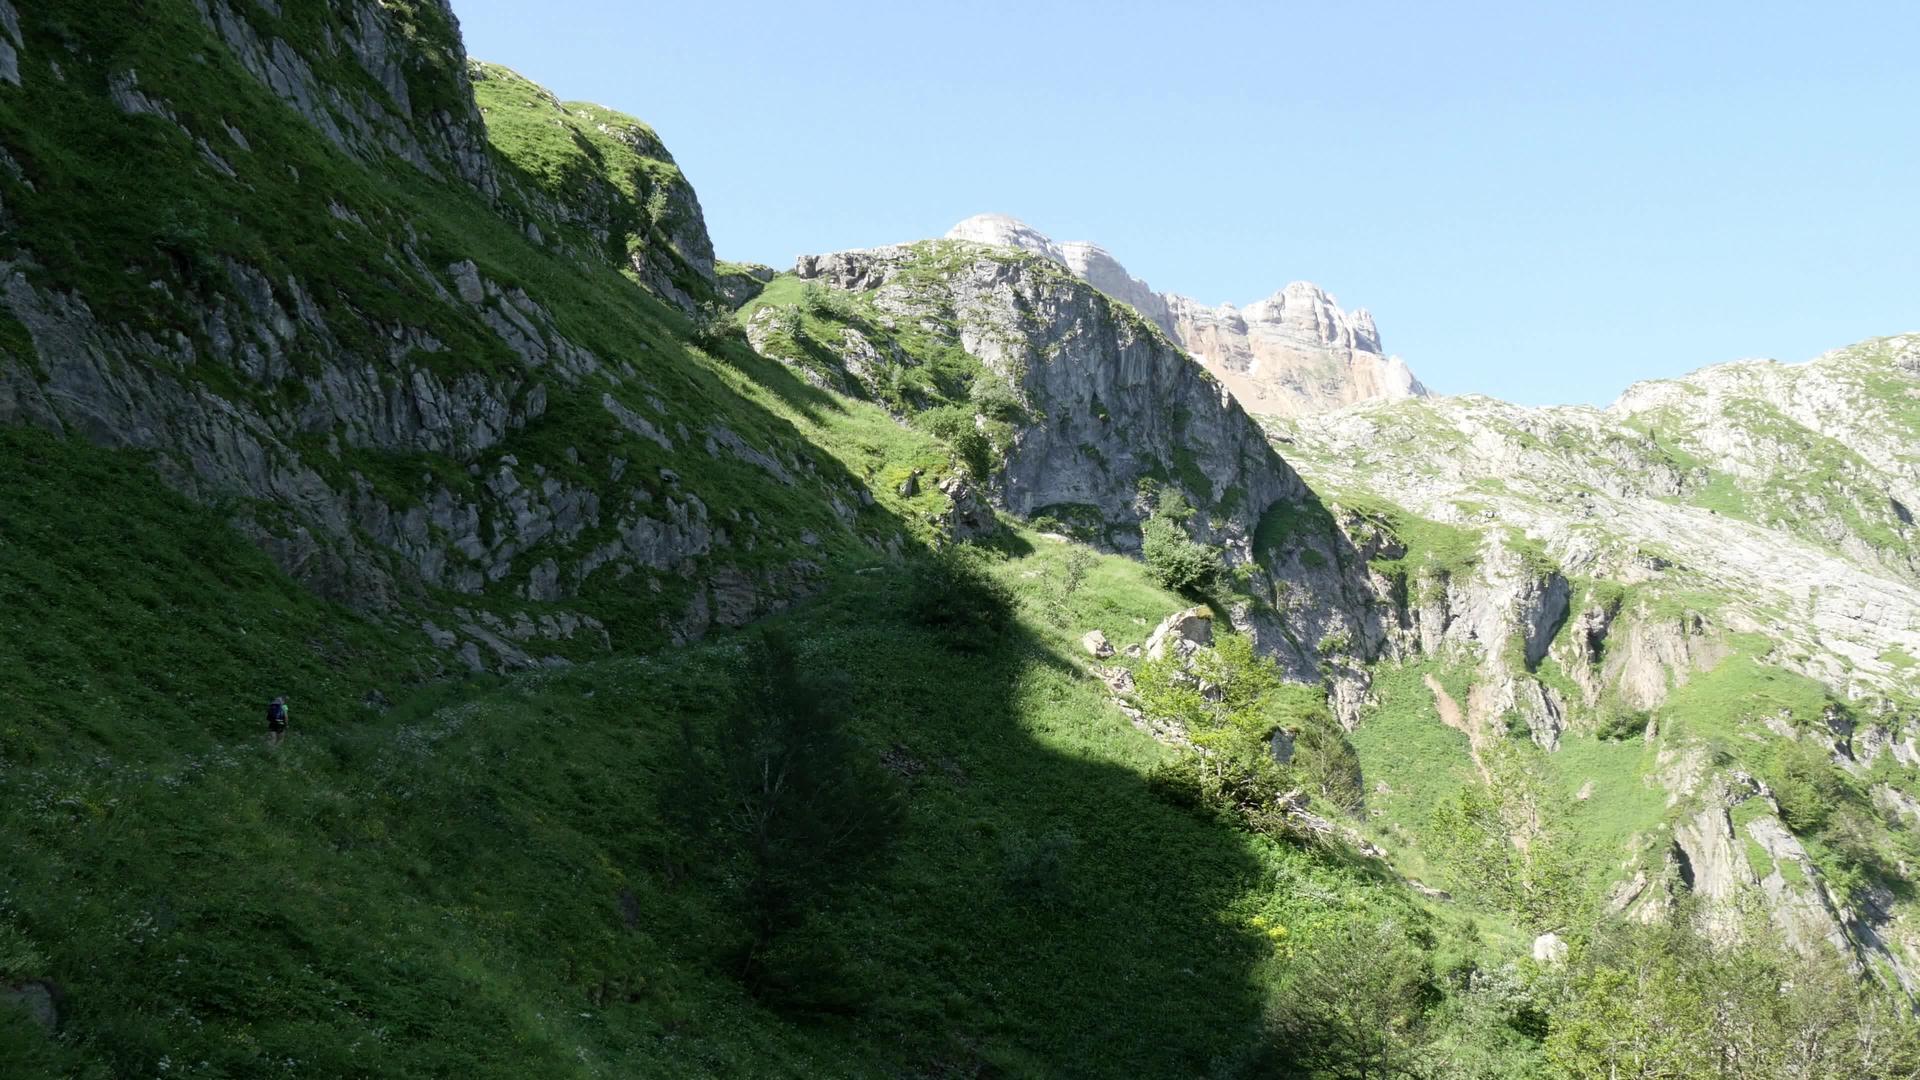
{"x":1536,"y":203}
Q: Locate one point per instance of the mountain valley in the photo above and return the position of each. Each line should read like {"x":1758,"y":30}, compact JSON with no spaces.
{"x":953,"y":658}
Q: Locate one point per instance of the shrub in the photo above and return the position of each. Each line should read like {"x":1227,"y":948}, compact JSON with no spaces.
{"x":1173,"y":559}
{"x":951,"y":593}
{"x":1622,"y":724}
{"x":823,"y":301}
{"x":996,"y":399}
{"x":954,"y":425}
{"x":1035,"y":867}
{"x":1326,"y":763}
{"x":1178,"y":781}
{"x":713,"y":327}
{"x":1355,"y":1004}
{"x":789,"y":811}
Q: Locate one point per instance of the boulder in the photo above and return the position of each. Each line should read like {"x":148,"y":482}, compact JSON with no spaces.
{"x":1281,"y":746}
{"x":39,"y":998}
{"x":1097,"y":645}
{"x":1182,"y":632}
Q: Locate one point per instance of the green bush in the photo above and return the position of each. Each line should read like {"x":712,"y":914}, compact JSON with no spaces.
{"x":714,"y":327}
{"x":1807,"y":788}
{"x":822,"y":301}
{"x":1622,"y":724}
{"x":954,"y":425}
{"x":784,"y":806}
{"x":952,"y":593}
{"x":1035,"y":869}
{"x":1178,"y":781}
{"x":1355,"y":1004}
{"x":1173,"y":558}
{"x":1325,"y":762}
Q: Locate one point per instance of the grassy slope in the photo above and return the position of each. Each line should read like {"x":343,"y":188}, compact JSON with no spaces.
{"x":106,"y":203}
{"x":436,"y":888}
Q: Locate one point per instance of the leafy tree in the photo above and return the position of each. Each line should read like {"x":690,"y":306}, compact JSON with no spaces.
{"x":1354,"y":1004}
{"x":1173,"y":558}
{"x":1660,"y":1001}
{"x":1231,"y":701}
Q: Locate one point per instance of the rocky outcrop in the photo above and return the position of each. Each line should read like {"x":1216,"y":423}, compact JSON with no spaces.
{"x":412,"y":429}
{"x":607,"y":189}
{"x":1097,"y":401}
{"x":423,"y":113}
{"x":1822,"y":450}
{"x":1617,"y":499}
{"x":1181,"y":634}
{"x":1294,"y":352}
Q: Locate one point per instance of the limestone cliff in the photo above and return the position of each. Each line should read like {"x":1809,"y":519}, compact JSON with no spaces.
{"x":387,"y":332}
{"x":1294,"y":352}
{"x":1719,"y":568}
{"x":1088,"y":401}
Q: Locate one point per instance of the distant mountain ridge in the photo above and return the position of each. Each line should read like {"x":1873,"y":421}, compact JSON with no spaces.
{"x":1294,"y":353}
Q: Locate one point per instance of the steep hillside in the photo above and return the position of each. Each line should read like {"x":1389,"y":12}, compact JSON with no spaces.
{"x":914,"y":664}
{"x":1069,"y":408}
{"x":1697,"y":605}
{"x":1294,"y":352}
{"x":406,"y":351}
{"x":399,"y":375}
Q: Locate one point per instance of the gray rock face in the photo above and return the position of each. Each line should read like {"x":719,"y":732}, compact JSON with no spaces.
{"x":10,"y":44}
{"x":1181,"y":633}
{"x":437,"y":141}
{"x":371,"y":459}
{"x":1096,"y":644}
{"x":1294,"y":352}
{"x":1747,"y":509}
{"x":1116,"y":395}
{"x":39,"y":999}
{"x":1105,"y":401}
{"x":1634,"y":495}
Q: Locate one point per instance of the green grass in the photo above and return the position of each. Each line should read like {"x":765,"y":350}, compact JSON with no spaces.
{"x":1744,"y":813}
{"x":439,"y":887}
{"x":1404,"y":744}
{"x":1622,"y":802}
{"x":1728,"y":702}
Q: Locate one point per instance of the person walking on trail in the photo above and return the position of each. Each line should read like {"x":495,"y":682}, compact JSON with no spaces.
{"x":276,"y":721}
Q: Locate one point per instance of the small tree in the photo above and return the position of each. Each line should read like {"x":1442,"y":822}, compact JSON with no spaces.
{"x":1354,"y":1004}
{"x":1173,"y":558}
{"x":794,"y":807}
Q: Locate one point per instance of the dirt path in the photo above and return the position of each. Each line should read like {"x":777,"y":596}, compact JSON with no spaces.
{"x":1451,"y":716}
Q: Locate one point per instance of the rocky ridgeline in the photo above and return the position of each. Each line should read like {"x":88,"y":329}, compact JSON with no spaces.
{"x":1294,"y":352}
{"x":1703,"y":486}
{"x":1752,"y":509}
{"x":459,"y":419}
{"x":1106,"y":402}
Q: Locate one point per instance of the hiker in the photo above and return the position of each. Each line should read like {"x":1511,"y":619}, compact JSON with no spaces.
{"x":276,"y":721}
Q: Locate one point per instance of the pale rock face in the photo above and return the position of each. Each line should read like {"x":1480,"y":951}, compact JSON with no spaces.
{"x":1295,"y":352}
{"x":1182,"y":632}
{"x":1747,"y":499}
{"x":1105,"y":401}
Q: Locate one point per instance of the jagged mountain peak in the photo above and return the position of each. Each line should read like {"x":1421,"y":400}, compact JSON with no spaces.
{"x":1293,"y":352}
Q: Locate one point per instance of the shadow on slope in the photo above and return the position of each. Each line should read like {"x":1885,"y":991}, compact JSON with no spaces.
{"x":474,"y":882}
